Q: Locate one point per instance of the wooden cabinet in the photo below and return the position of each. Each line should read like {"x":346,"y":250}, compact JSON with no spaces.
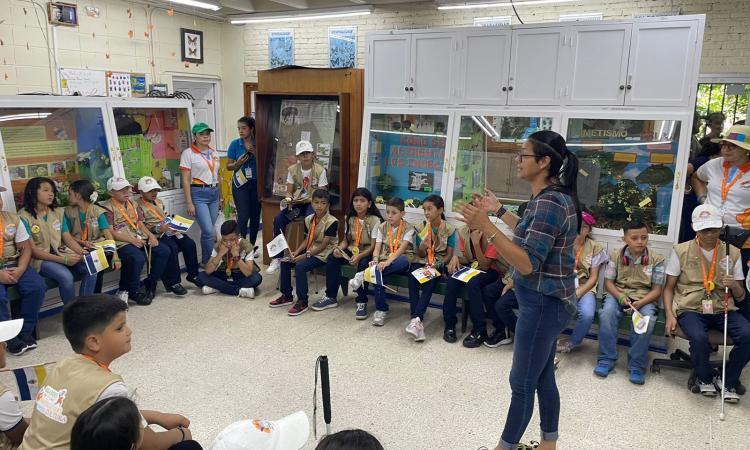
{"x":536,"y":64}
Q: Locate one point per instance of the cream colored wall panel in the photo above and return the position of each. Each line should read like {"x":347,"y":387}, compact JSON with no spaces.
{"x":23,"y":14}
{"x":33,"y":76}
{"x":142,"y":49}
{"x":7,"y":55}
{"x":69,"y":58}
{"x":121,"y":46}
{"x":88,"y":25}
{"x":68,"y":39}
{"x":31,"y":36}
{"x":32,"y":56}
{"x":94,"y":61}
{"x":8,"y":89}
{"x":94,"y":45}
{"x":119,"y":63}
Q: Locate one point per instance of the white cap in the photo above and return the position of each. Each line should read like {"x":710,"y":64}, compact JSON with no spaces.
{"x":10,"y":329}
{"x":304,"y":146}
{"x":706,"y":216}
{"x":289,"y":433}
{"x":148,"y":184}
{"x":117,"y":183}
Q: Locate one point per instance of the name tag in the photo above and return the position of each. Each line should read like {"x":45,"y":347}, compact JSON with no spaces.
{"x":248,"y":172}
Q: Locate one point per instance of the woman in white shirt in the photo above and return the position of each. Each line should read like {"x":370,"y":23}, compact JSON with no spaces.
{"x":200,"y":183}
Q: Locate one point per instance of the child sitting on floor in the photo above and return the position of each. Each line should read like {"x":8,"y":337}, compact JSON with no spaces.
{"x":231,"y":269}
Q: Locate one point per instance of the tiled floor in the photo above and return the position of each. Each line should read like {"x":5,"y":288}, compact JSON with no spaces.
{"x":219,"y":359}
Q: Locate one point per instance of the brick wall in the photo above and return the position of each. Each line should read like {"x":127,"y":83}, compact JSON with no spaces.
{"x":726,"y":47}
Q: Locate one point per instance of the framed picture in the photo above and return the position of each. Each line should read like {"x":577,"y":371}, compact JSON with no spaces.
{"x":280,"y":48}
{"x":342,"y":47}
{"x":59,"y":13}
{"x":191,"y":45}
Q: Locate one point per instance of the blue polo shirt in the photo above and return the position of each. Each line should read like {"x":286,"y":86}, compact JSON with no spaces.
{"x":235,"y":151}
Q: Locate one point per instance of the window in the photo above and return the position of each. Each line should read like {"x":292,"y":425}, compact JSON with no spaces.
{"x":626,"y":169}
{"x":406,"y":155}
{"x":65,"y":144}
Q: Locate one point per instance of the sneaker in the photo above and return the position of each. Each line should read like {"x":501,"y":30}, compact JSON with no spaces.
{"x":178,"y":290}
{"x":122,"y":295}
{"x":29,"y":340}
{"x":707,"y":389}
{"x":247,"y":292}
{"x":207,"y":290}
{"x":17,"y":347}
{"x":378,"y":318}
{"x":141,"y":298}
{"x":740,"y":388}
{"x":274,"y":266}
{"x":412,"y":327}
{"x":603,"y":369}
{"x":475,"y":339}
{"x":449,"y":335}
{"x":564,"y":346}
{"x":281,"y":301}
{"x":297,"y":309}
{"x":637,"y":376}
{"x":193,"y":280}
{"x":356,"y":282}
{"x":420,"y":332}
{"x":497,"y":339}
{"x":530,"y":446}
{"x":325,"y":303}
{"x":361,"y":312}
{"x":731,"y":396}
{"x":150,"y":291}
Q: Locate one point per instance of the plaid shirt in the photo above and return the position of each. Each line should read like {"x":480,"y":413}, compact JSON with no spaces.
{"x":547,"y":231}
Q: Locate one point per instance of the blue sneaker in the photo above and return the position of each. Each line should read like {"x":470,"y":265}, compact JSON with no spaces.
{"x":637,"y":376}
{"x":603,"y":369}
{"x":325,"y":303}
{"x":361,"y":313}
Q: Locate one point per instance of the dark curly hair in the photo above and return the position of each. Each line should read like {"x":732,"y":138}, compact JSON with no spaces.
{"x":29,"y":194}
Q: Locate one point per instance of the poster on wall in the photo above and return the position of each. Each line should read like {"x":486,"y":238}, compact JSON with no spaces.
{"x":342,"y":47}
{"x":280,"y":48}
{"x":309,"y":120}
{"x":119,"y":84}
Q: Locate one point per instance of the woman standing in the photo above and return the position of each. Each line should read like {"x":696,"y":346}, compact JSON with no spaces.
{"x":200,"y":183}
{"x":241,"y":159}
{"x":542,"y":259}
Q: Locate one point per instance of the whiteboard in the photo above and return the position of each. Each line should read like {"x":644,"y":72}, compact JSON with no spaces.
{"x":87,"y":82}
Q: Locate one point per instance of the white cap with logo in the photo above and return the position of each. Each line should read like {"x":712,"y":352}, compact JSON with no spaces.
{"x":706,"y":216}
{"x":10,"y":329}
{"x":303,"y":146}
{"x":117,"y":183}
{"x":289,"y":433}
{"x":148,"y":184}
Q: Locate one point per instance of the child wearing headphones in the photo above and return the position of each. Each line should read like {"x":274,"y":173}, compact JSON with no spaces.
{"x":634,"y":280}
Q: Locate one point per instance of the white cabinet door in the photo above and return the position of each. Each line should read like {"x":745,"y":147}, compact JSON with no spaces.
{"x":432,"y":58}
{"x":661,"y":64}
{"x":484,"y":67}
{"x":535,"y":66}
{"x":388,"y":68}
{"x":598,"y":64}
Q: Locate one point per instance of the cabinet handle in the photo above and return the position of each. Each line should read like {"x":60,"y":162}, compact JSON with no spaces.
{"x":510,"y":88}
{"x":622,"y":87}
{"x":411,"y":88}
{"x":406,"y":88}
{"x":630,"y":87}
{"x":505,"y":88}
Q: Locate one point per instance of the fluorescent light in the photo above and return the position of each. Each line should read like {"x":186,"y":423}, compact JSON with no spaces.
{"x":406,"y":133}
{"x":296,"y":17}
{"x":198,"y":4}
{"x":620,"y":144}
{"x":25,"y":116}
{"x":501,"y":4}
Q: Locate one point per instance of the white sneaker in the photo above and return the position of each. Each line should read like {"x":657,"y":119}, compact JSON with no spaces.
{"x":420,"y":332}
{"x":707,"y":389}
{"x":378,"y":318}
{"x":356,"y":282}
{"x":247,"y":292}
{"x":731,"y":396}
{"x":274,"y":266}
{"x":207,"y":290}
{"x":413,"y":326}
{"x":122,"y":295}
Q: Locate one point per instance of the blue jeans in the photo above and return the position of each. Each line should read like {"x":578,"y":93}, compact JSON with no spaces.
{"x":399,"y":265}
{"x":163,"y":266}
{"x":281,"y":220}
{"x":504,"y":307}
{"x":609,"y":322}
{"x":478,"y":303}
{"x":541,"y":319}
{"x":419,"y":301}
{"x":189,"y":253}
{"x":63,"y":275}
{"x":248,"y":209}
{"x":333,"y":276}
{"x":133,"y":260}
{"x":219,"y":281}
{"x":206,"y":202}
{"x":586,"y":309}
{"x":300,"y":272}
{"x":32,"y":289}
{"x":696,"y":326}
{"x":744,"y":306}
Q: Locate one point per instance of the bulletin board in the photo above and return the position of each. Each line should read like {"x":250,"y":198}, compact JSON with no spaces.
{"x":89,"y":83}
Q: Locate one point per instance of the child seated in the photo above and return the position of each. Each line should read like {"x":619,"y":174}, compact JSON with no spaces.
{"x":697,"y":276}
{"x":15,"y":257}
{"x":154,"y":217}
{"x":350,"y":439}
{"x":303,"y":177}
{"x":12,"y":424}
{"x":231,"y":269}
{"x":633,"y":282}
{"x":97,"y":330}
{"x":355,"y":249}
{"x":135,"y":244}
{"x":590,"y":255}
{"x":503,"y":296}
{"x":434,"y":246}
{"x":321,"y":230}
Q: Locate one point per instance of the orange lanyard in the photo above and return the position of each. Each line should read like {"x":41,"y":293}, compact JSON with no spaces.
{"x":726,"y":187}
{"x":209,"y":160}
{"x":102,"y":365}
{"x":357,"y":232}
{"x":152,"y":209}
{"x":708,"y":280}
{"x":311,"y":236}
{"x":132,"y":223}
{"x":431,"y":249}
{"x":2,"y":237}
{"x":230,"y":264}
{"x":393,"y":244}
{"x":578,"y":257}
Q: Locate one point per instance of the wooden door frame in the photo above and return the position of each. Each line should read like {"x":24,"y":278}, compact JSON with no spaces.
{"x":247,"y":95}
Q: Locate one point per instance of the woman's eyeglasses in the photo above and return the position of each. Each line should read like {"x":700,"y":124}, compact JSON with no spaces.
{"x":520,"y":156}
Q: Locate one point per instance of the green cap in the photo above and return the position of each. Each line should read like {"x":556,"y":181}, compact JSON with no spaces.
{"x":201,"y":127}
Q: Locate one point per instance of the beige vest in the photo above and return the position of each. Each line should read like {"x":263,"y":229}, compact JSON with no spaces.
{"x":120,"y":224}
{"x":320,"y":230}
{"x":689,"y":291}
{"x":385,"y":248}
{"x":590,"y":249}
{"x":4,"y":441}
{"x":245,"y":249}
{"x":464,"y":233}
{"x":371,"y":223}
{"x":46,"y":234}
{"x":150,"y":218}
{"x":11,"y":222}
{"x":94,"y":233}
{"x":441,"y":245}
{"x":297,"y":178}
{"x":73,"y":385}
{"x":634,"y":280}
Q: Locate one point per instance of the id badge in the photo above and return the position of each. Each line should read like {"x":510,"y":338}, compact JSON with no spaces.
{"x":248,"y":172}
{"x":578,"y":283}
{"x":708,"y":306}
{"x":355,"y":251}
